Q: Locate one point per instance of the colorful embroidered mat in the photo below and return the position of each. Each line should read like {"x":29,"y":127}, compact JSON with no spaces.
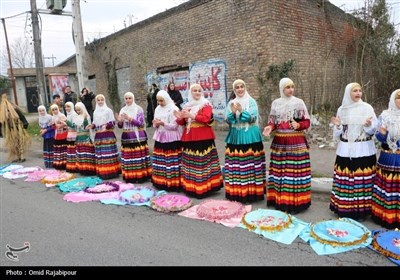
{"x":138,"y":196}
{"x":105,"y":190}
{"x":80,"y":184}
{"x":21,"y":172}
{"x":387,"y":243}
{"x":273,"y":224}
{"x":52,"y":179}
{"x":227,"y":213}
{"x":40,"y":174}
{"x":170,"y":203}
{"x":336,"y":236}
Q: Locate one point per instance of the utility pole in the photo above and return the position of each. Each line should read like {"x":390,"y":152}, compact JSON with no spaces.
{"x":52,"y":57}
{"x":79,"y":44}
{"x":37,"y":44}
{"x":9,"y":61}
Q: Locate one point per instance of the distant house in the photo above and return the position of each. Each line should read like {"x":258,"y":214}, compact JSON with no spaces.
{"x":26,"y":83}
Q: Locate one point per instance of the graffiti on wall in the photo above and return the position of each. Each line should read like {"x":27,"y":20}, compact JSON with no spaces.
{"x":57,"y":83}
{"x":211,"y":75}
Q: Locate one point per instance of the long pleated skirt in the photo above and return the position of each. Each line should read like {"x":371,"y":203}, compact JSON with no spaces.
{"x":245,"y":172}
{"x":200,"y":170}
{"x":85,"y":157}
{"x":135,"y":162}
{"x":71,"y":157}
{"x":166,"y":164}
{"x":386,"y":191}
{"x":353,"y":180}
{"x":289,"y":178}
{"x":107,"y":157}
{"x":48,"y":155}
{"x":60,"y":154}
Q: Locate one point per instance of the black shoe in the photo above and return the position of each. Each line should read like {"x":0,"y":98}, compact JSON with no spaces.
{"x":22,"y":160}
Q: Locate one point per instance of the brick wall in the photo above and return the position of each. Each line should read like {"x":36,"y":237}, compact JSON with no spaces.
{"x":248,"y":35}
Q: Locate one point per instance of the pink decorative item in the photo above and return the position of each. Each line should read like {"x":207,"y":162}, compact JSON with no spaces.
{"x":170,"y":203}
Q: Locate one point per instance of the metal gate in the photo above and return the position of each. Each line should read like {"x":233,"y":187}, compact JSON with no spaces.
{"x":32,"y":99}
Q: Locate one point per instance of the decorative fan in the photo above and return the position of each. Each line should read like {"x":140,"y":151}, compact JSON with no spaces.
{"x":103,"y":188}
{"x":268,"y":220}
{"x":138,"y":195}
{"x":213,"y":209}
{"x":170,"y":203}
{"x":387,"y":243}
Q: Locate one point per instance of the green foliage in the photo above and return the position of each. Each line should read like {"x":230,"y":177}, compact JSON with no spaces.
{"x":378,"y":63}
{"x":274,"y":73}
{"x":33,"y":129}
{"x":5,"y":83}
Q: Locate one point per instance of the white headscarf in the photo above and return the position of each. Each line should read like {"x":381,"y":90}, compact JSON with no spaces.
{"x":59,"y":116}
{"x":80,"y":118}
{"x":44,"y":120}
{"x":102,"y":114}
{"x":391,"y":121}
{"x":286,"y":108}
{"x":353,"y":114}
{"x":132,"y":109}
{"x":71,"y":115}
{"x":194,"y":106}
{"x":165,"y":113}
{"x":244,"y":100}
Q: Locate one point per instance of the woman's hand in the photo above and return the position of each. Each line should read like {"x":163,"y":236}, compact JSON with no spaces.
{"x":294,"y":125}
{"x":267,"y":130}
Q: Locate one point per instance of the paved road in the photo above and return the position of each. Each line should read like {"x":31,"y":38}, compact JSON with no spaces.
{"x":92,"y":234}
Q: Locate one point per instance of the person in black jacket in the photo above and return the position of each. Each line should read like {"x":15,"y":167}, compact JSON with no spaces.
{"x":151,"y":104}
{"x":87,"y":97}
{"x":175,"y":95}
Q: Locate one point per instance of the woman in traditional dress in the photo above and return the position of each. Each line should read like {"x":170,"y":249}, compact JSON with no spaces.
{"x":167,"y":150}
{"x":71,"y":137}
{"x":85,"y":152}
{"x":135,"y":155}
{"x":353,"y":126}
{"x":245,"y":169}
{"x":47,"y":132}
{"x":200,"y":169}
{"x":289,"y":179}
{"x":60,"y":138}
{"x":105,"y":142}
{"x":386,"y":190}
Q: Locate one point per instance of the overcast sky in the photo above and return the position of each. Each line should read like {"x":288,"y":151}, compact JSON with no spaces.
{"x":99,"y":19}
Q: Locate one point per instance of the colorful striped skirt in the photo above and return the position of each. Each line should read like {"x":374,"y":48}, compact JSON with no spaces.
{"x":245,"y":172}
{"x":107,"y":157}
{"x":60,"y":154}
{"x":289,"y":179}
{"x":200,"y":169}
{"x":48,"y":156}
{"x":166,"y":162}
{"x":71,"y":157}
{"x":85,"y":157}
{"x":135,"y":162}
{"x":353,"y":180}
{"x":386,"y":191}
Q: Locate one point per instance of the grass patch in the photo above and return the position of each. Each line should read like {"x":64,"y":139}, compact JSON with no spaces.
{"x":34,"y":129}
